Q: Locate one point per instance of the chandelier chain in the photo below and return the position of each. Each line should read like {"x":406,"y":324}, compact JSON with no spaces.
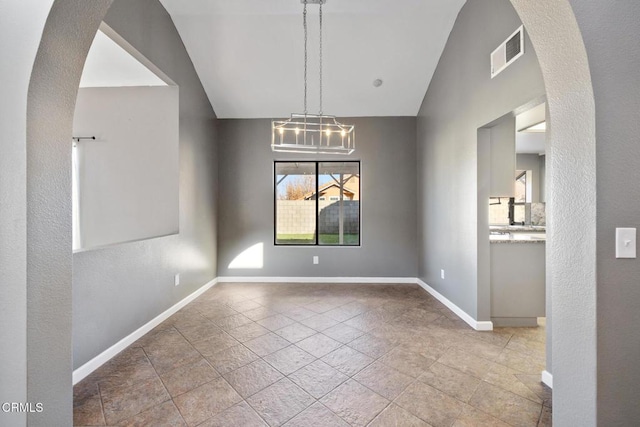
{"x":304,"y":24}
{"x":321,"y":57}
{"x":312,"y":133}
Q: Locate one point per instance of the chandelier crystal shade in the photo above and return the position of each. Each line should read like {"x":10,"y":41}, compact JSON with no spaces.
{"x":312,"y":133}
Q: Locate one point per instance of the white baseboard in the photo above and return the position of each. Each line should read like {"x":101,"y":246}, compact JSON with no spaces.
{"x":93,"y":364}
{"x":547,"y":378}
{"x":475,"y":324}
{"x":271,"y":279}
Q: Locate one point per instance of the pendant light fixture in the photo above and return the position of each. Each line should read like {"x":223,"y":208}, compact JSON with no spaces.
{"x":312,"y":133}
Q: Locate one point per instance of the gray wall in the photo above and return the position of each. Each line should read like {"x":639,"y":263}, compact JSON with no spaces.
{"x":118,"y":289}
{"x":21,"y":25}
{"x":608,"y":28}
{"x":483,"y":291}
{"x":503,"y":157}
{"x":129,"y":176}
{"x":462,"y":98}
{"x":571,"y":208}
{"x":386,"y":148}
{"x":51,"y":99}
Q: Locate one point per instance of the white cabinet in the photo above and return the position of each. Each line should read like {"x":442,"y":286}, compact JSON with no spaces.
{"x":517,"y":283}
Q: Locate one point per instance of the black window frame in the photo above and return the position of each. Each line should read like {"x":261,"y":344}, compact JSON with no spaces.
{"x":316,"y":240}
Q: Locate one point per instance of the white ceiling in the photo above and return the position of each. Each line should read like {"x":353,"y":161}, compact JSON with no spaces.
{"x":109,"y":65}
{"x":249,"y":53}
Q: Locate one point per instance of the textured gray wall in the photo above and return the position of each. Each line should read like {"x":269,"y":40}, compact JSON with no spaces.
{"x":610,"y":33}
{"x":571,"y":261}
{"x":52,"y":93}
{"x":120,"y":288}
{"x":137,"y":136}
{"x":21,"y":25}
{"x":386,"y":148}
{"x":461,"y":98}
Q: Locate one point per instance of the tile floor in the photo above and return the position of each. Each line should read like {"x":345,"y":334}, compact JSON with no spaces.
{"x":320,"y":355}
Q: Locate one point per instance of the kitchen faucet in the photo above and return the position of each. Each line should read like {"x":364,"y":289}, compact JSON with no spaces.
{"x":512,"y":202}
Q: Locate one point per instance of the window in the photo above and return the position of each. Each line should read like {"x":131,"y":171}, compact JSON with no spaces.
{"x":522,"y":197}
{"x":521,"y":187}
{"x":75,"y":197}
{"x":317,"y":203}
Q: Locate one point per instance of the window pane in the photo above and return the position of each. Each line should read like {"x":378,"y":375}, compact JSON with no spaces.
{"x":75,"y":197}
{"x":339,"y":203}
{"x":295,"y":203}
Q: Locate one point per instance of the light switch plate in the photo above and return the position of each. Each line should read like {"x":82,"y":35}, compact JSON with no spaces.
{"x":625,"y":242}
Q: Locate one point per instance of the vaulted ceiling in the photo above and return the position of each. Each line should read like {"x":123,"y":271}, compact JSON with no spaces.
{"x":249,"y":54}
{"x":108,"y":64}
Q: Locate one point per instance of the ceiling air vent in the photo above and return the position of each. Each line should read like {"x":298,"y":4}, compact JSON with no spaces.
{"x":507,"y":52}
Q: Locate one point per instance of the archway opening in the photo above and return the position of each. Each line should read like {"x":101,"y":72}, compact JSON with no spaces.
{"x":563,"y":60}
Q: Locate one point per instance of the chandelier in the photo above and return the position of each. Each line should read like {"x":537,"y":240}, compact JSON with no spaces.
{"x":312,"y":133}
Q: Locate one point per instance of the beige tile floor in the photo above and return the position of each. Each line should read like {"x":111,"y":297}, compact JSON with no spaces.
{"x":320,"y":355}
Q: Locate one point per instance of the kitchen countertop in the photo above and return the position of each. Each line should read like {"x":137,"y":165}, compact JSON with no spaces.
{"x":518,"y":228}
{"x":517,"y":234}
{"x":518,"y":238}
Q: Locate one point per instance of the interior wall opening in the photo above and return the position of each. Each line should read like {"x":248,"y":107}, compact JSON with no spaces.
{"x":125,"y":171}
{"x":588,"y":139}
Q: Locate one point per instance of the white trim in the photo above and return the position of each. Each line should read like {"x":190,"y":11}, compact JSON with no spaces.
{"x":93,"y":364}
{"x":547,"y":378}
{"x":271,"y":279}
{"x":475,"y":324}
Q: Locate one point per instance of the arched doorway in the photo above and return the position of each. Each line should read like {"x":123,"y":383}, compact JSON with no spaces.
{"x":67,"y":36}
{"x":571,"y":173}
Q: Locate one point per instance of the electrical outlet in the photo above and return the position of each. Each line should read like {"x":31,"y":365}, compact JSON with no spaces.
{"x":316,"y":259}
{"x":176,"y":279}
{"x":442,"y":274}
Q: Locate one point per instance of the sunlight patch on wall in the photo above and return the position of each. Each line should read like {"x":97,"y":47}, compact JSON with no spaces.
{"x":252,"y":257}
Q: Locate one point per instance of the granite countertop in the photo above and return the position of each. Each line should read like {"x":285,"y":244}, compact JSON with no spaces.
{"x":518,"y":238}
{"x":517,"y":234}
{"x":518,"y":228}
